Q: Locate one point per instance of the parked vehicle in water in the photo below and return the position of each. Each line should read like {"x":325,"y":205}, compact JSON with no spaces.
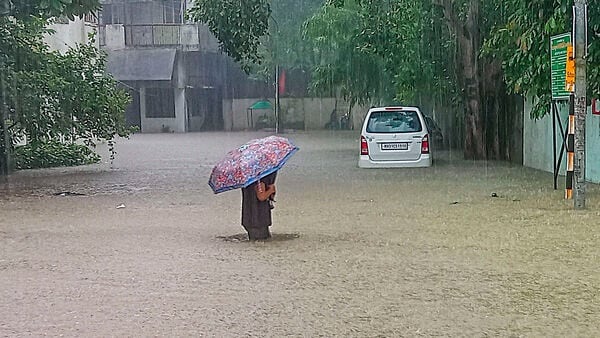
{"x":394,"y":137}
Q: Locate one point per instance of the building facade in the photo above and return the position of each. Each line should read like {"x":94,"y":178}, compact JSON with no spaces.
{"x":173,"y":69}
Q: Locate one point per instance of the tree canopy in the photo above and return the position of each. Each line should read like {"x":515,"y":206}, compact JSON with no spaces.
{"x":343,"y":64}
{"x":48,"y":96}
{"x":22,"y":9}
{"x":472,"y":56}
{"x":521,"y":40}
{"x":238,"y":25}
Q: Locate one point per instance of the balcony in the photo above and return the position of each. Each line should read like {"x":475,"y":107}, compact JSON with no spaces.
{"x":181,"y":36}
{"x":155,"y":36}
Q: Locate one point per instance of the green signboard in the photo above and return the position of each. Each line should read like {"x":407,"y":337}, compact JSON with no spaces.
{"x":558,"y":60}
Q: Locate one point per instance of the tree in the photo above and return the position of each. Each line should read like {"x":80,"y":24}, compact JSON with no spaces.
{"x":284,"y":45}
{"x":521,"y":41}
{"x":343,"y":65}
{"x":67,"y":97}
{"x":23,"y":9}
{"x":259,"y":34}
{"x":47,"y":96}
{"x":238,"y":25}
{"x":465,"y":26}
{"x":427,"y":53}
{"x":21,"y":52}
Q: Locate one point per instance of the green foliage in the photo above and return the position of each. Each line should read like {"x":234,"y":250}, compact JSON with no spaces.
{"x":408,"y":37}
{"x":91,"y":96}
{"x":53,"y":154}
{"x":344,"y":66}
{"x":25,"y":9}
{"x":285,"y":45}
{"x":375,"y":51}
{"x":238,"y":25}
{"x":264,"y":33}
{"x":47,"y":96}
{"x":427,"y":53}
{"x":522,"y":41}
{"x":56,"y":96}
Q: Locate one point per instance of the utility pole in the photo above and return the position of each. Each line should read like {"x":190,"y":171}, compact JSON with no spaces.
{"x":5,"y":10}
{"x":3,"y":148}
{"x":276,"y":61}
{"x":580,"y":36}
{"x":277,"y":98}
{"x":4,"y":136}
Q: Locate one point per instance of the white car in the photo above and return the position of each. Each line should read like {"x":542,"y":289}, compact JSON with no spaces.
{"x":394,"y":137}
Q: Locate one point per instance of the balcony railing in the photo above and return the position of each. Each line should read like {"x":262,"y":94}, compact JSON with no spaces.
{"x":186,"y":36}
{"x":153,"y":35}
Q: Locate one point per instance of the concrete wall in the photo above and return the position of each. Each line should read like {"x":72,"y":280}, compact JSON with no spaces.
{"x":206,"y":40}
{"x":311,"y":113}
{"x":537,"y":142}
{"x":237,"y":117}
{"x":69,"y":35}
{"x":314,"y":113}
{"x":188,"y":37}
{"x":114,"y":37}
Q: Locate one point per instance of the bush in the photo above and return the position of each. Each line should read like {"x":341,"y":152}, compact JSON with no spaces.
{"x":53,"y":154}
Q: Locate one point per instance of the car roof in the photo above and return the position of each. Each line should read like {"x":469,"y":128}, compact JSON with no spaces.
{"x":394,"y":108}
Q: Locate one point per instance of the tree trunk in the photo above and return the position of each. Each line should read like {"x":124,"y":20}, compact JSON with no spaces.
{"x":3,"y":152}
{"x":469,"y":39}
{"x":494,"y":98}
{"x":4,"y":139}
{"x":469,"y":43}
{"x":496,"y":130}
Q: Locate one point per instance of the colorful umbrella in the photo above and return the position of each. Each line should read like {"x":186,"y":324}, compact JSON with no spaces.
{"x":251,"y":162}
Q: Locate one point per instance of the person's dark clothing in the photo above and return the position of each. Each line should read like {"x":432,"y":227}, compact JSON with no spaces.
{"x":256,"y":215}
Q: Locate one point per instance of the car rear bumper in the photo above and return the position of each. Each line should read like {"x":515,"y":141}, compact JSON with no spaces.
{"x":365,"y":162}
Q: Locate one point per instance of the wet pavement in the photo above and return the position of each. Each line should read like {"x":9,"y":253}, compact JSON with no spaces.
{"x":141,"y":247}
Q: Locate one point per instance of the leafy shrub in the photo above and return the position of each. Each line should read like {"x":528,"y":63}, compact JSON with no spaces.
{"x":53,"y":154}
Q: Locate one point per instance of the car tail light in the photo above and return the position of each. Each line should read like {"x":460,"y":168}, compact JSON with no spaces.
{"x":425,"y":145}
{"x":364,"y":147}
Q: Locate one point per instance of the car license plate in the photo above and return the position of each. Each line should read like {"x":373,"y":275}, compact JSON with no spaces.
{"x":394,"y":146}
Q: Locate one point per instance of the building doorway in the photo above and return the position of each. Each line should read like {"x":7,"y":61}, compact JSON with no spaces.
{"x":205,"y":109}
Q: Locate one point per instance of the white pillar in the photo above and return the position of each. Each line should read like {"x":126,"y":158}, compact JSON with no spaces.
{"x":143,"y":109}
{"x":180,"y":114}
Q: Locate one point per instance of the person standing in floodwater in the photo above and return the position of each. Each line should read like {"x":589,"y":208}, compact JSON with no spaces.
{"x":257,"y":202}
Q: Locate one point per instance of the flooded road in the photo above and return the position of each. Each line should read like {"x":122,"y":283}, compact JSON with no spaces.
{"x":142,"y":247}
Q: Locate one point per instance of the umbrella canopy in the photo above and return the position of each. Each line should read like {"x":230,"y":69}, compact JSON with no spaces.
{"x":261,"y":105}
{"x":250,"y":162}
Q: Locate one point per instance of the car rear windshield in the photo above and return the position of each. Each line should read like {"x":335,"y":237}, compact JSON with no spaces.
{"x":405,"y":121}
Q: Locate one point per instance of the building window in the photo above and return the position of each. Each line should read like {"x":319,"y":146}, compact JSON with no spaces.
{"x":112,"y":14}
{"x":143,"y":12}
{"x":172,"y":11}
{"x":160,"y":103}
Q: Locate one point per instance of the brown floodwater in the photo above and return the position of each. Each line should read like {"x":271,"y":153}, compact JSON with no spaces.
{"x":142,"y":247}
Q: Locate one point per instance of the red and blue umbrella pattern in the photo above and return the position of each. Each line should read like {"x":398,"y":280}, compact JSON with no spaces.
{"x":251,"y":162}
